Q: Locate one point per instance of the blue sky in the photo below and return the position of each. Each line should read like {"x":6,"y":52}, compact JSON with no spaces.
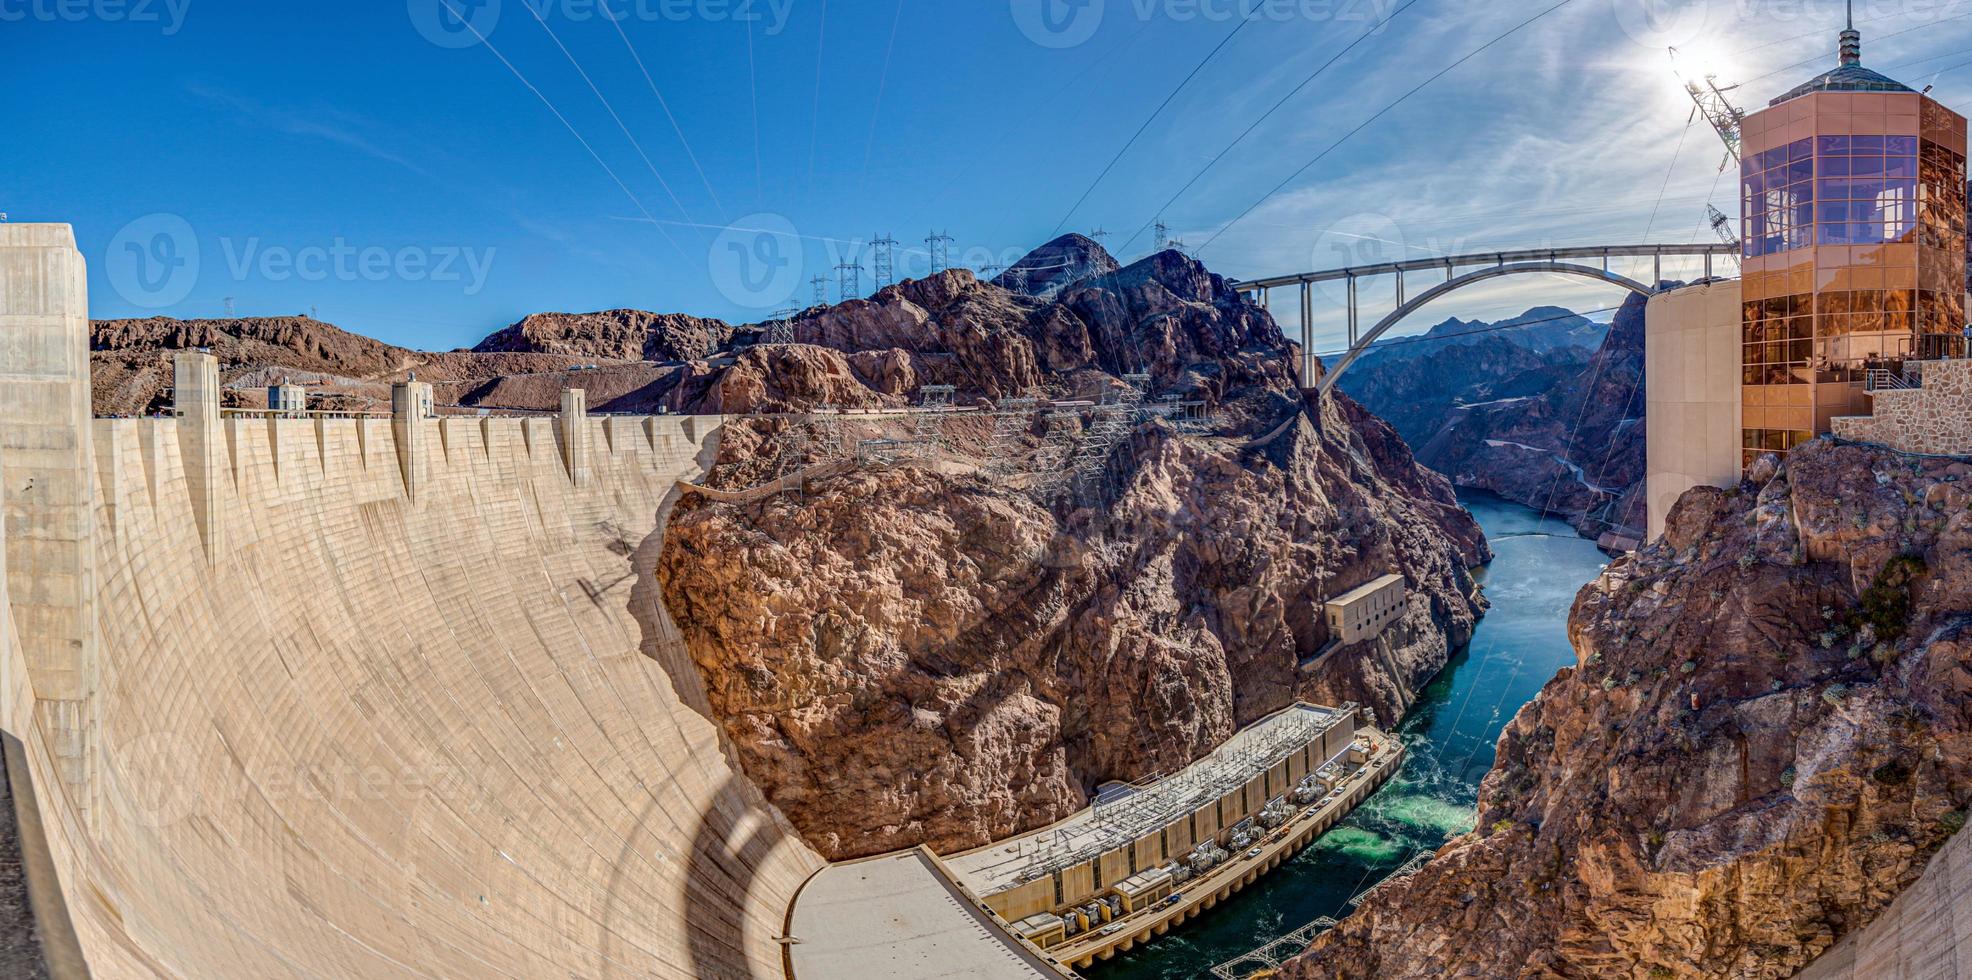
{"x":382,"y":164}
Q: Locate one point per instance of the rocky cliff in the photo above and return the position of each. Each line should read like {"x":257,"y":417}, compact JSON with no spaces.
{"x":619,"y":334}
{"x":1058,"y":264}
{"x":1525,"y":411}
{"x":1765,"y":736}
{"x":946,"y":649}
{"x":131,"y":366}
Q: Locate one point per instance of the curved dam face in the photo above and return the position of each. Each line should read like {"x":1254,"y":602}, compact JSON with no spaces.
{"x":308,"y":697}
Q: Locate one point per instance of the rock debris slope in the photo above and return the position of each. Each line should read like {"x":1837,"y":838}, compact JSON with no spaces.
{"x":1766,"y":735}
{"x":934,"y":651}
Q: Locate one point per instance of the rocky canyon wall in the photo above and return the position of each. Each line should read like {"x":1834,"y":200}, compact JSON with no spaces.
{"x":1764,"y":739}
{"x":932,"y":650}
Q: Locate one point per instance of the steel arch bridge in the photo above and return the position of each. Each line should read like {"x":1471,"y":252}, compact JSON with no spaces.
{"x":1478,"y":267}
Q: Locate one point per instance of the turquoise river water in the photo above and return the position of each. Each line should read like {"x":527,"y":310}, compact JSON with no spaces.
{"x":1523,"y":640}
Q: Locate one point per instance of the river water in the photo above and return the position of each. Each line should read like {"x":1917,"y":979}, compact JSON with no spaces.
{"x":1537,"y":569}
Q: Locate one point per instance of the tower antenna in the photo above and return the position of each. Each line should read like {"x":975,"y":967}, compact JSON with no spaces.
{"x":1851,"y":40}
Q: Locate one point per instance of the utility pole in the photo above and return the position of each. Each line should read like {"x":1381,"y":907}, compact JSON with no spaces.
{"x":940,"y":246}
{"x":884,"y":259}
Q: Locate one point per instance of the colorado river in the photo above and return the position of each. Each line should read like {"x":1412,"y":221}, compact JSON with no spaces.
{"x":1523,"y":640}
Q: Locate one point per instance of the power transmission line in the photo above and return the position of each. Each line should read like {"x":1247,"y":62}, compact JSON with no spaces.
{"x":612,"y":112}
{"x":1380,"y":113}
{"x":572,"y":131}
{"x":666,"y":106}
{"x":1195,"y":178}
{"x":1153,"y":117}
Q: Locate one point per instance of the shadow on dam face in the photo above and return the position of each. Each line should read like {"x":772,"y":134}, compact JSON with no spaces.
{"x":733,"y":840}
{"x":736,"y":832}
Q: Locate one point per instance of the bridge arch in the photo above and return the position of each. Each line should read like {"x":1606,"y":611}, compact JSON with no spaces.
{"x":1418,"y":302}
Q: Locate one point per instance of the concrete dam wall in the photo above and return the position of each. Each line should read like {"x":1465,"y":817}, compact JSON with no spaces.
{"x":308,"y":697}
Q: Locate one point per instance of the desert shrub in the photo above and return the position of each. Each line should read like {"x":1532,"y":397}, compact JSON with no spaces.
{"x":1885,"y":605}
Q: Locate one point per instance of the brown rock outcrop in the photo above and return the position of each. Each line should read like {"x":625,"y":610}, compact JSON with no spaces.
{"x":928,"y":652}
{"x":1766,"y":735}
{"x":619,"y":334}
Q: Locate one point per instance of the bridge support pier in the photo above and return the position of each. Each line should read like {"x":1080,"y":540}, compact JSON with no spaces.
{"x":1307,"y":378}
{"x":1352,"y":311}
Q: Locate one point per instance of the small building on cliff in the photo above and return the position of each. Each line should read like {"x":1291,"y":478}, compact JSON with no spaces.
{"x":1363,"y":612}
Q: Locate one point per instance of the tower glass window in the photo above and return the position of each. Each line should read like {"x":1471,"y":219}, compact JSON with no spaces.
{"x":1852,"y":209}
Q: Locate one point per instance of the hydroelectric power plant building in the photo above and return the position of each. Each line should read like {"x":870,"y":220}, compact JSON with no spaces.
{"x":1852,"y":225}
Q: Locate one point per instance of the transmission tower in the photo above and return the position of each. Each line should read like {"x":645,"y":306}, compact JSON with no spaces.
{"x":991,"y":271}
{"x":1709,"y":98}
{"x":780,"y":329}
{"x":1722,"y":227}
{"x":1098,"y":235}
{"x":229,"y":307}
{"x":884,"y":259}
{"x":940,"y":245}
{"x":821,"y":284}
{"x":849,"y":280}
